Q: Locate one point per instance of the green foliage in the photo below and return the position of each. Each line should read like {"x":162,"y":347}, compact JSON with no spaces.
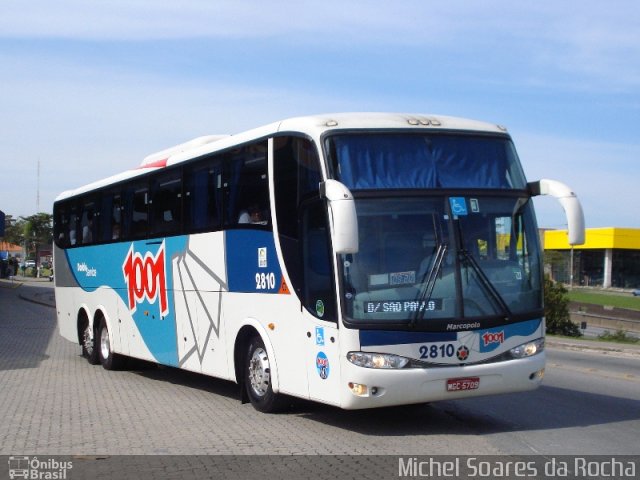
{"x":554,"y":258}
{"x":13,"y":230}
{"x":620,"y":300}
{"x":619,"y":336}
{"x":556,"y":310}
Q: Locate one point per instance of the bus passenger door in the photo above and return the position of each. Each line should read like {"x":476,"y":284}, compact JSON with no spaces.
{"x":323,"y":362}
{"x":318,"y":298}
{"x":303,"y":236}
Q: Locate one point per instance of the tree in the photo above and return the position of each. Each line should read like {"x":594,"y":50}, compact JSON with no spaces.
{"x":38,"y":230}
{"x":13,"y":230}
{"x":556,"y":310}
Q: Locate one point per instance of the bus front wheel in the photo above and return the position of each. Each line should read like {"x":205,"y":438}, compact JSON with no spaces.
{"x":257,"y":378}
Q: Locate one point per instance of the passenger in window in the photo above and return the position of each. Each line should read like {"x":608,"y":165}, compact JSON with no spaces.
{"x":252,"y":215}
{"x":115,"y":233}
{"x":87,"y":229}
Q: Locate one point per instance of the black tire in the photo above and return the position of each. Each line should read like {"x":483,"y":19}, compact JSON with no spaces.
{"x":108,"y":359}
{"x":257,"y":378}
{"x":89,"y":345}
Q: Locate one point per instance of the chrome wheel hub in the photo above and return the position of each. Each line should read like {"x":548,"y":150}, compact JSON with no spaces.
{"x":105,"y":347}
{"x":259,"y":372}
{"x":87,"y":340}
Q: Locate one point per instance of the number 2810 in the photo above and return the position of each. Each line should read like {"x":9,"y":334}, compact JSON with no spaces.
{"x":265,"y":281}
{"x":437,"y":351}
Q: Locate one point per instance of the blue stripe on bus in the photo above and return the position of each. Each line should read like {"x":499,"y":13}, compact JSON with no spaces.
{"x":252,"y":262}
{"x":371,"y":338}
{"x":492,"y":338}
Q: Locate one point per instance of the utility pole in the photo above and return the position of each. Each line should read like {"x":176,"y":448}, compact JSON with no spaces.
{"x":571,"y":270}
{"x":38,"y":189}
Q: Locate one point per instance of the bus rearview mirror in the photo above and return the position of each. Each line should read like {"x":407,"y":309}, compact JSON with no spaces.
{"x":342,"y":211}
{"x":570,"y":203}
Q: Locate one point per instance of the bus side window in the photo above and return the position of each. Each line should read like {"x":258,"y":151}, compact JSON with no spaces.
{"x":73,"y":226}
{"x":61,"y":226}
{"x":203,"y":196}
{"x":166,"y":205}
{"x":137,"y":211}
{"x":111,"y":216}
{"x":297,"y":177}
{"x":118,"y":230}
{"x":247,"y":186}
{"x":89,"y":223}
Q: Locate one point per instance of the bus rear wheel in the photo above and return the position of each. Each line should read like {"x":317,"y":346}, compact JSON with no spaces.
{"x":89,"y":348}
{"x":108,"y":359}
{"x":257,"y":378}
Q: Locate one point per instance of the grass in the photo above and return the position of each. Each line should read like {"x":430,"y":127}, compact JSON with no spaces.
{"x":606,"y":299}
{"x":606,"y":337}
{"x":619,"y":336}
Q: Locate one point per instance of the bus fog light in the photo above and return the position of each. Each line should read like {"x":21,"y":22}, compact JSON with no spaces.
{"x":358,"y":389}
{"x":377,"y":360}
{"x":537,"y":375}
{"x":528,"y":349}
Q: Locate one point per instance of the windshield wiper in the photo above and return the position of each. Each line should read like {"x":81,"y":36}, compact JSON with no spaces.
{"x":429,"y":283}
{"x":468,"y":259}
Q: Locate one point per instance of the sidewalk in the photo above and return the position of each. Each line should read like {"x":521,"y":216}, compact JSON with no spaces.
{"x":35,"y":290}
{"x":581,"y":345}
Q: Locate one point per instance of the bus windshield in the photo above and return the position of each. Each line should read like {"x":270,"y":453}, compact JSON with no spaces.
{"x":418,"y":262}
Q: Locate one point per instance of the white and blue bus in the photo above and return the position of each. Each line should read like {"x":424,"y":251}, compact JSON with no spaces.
{"x":359,"y":260}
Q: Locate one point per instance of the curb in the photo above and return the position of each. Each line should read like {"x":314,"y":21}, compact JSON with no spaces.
{"x":627,"y":350}
{"x":10,"y":284}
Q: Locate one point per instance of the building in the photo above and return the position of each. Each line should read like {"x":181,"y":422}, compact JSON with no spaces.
{"x":610,"y":257}
{"x":9,"y":250}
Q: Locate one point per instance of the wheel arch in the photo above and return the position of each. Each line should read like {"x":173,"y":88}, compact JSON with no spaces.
{"x":252,"y":328}
{"x":82,"y":319}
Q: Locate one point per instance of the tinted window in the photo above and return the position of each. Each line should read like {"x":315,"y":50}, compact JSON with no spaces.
{"x":394,"y":161}
{"x":203,"y":196}
{"x":138,"y":215}
{"x":166,"y":204}
{"x":246,"y":186}
{"x":89,"y":222}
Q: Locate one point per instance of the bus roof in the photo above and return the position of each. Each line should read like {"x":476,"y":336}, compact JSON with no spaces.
{"x":314,"y":126}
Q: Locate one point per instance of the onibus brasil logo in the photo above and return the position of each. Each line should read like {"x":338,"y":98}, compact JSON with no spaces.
{"x":145,"y":277}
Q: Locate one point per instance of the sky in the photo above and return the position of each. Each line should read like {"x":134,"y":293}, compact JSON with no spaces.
{"x":88,"y":89}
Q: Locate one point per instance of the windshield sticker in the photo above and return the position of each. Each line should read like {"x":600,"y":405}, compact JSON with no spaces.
{"x":402,"y":278}
{"x":377,"y":280}
{"x":473,"y":203}
{"x":262,"y":257}
{"x":322,"y":365}
{"x":458,"y":206}
{"x":320,"y":308}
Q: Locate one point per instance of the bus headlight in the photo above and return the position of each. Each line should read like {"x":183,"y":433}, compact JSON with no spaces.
{"x":377,"y":360}
{"x":528,"y":349}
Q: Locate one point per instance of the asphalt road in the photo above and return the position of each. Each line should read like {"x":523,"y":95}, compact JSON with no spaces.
{"x":52,"y":401}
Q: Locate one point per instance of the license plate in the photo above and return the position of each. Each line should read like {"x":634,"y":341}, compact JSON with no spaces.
{"x":463,"y":384}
